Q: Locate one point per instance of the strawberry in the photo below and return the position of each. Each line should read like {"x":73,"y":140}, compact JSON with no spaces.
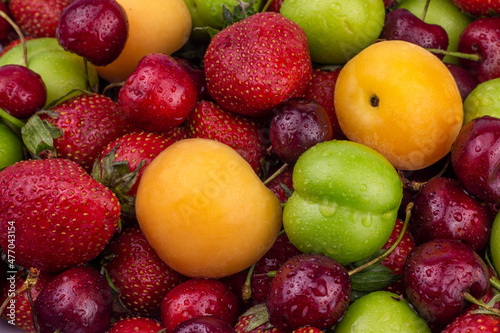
{"x":307,"y":329}
{"x":474,"y":322}
{"x":255,"y":320}
{"x":257,"y":63}
{"x":22,"y":314}
{"x":82,"y":126}
{"x":209,"y":120}
{"x":137,"y":150}
{"x":135,"y":325}
{"x":138,"y":274}
{"x":60,"y":215}
{"x":38,"y":18}
{"x":478,"y":8}
{"x":321,"y":88}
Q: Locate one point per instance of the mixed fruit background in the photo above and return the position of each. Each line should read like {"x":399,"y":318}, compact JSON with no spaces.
{"x":265,"y":166}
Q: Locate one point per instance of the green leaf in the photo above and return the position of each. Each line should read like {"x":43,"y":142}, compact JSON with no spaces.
{"x":209,"y":30}
{"x":373,"y":278}
{"x":39,"y":135}
{"x":241,"y":11}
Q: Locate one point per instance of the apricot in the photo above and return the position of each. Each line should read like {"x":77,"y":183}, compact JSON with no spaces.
{"x":204,"y":210}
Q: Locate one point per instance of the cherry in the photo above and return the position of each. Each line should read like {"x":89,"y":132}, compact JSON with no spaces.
{"x":465,"y":82}
{"x":22,"y":91}
{"x":297,"y":125}
{"x":443,"y":209}
{"x":308,"y":289}
{"x":204,"y":324}
{"x":482,"y":37}
{"x":77,"y":300}
{"x":401,"y":24}
{"x":438,"y":274}
{"x":475,"y":157}
{"x":4,"y":24}
{"x":94,"y":29}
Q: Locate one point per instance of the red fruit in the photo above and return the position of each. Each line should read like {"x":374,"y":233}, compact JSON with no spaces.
{"x":158,"y":95}
{"x":474,"y":322}
{"x":478,"y":7}
{"x":282,"y":185}
{"x":94,"y":29}
{"x":275,"y":6}
{"x":257,"y":63}
{"x":209,"y":120}
{"x":198,"y":297}
{"x":78,"y":300}
{"x":307,"y":329}
{"x":198,"y":75}
{"x":21,"y":313}
{"x":87,"y":124}
{"x":204,"y":324}
{"x":255,"y":320}
{"x":135,"y":325}
{"x":38,"y":18}
{"x":321,"y":88}
{"x":62,"y":217}
{"x":465,"y":82}
{"x":4,"y":25}
{"x":140,"y":276}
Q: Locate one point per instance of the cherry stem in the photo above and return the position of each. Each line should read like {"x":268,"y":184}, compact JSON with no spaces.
{"x":276,"y":174}
{"x":19,"y":33}
{"x":30,"y":281}
{"x":426,"y":8}
{"x":468,"y":56}
{"x":495,"y":282}
{"x":467,"y":296}
{"x":388,"y":252}
{"x":11,"y":119}
{"x":266,"y":6}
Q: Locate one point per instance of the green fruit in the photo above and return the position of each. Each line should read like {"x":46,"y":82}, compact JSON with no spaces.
{"x":11,"y":147}
{"x":495,"y":243}
{"x":484,"y":100}
{"x":61,"y":71}
{"x":381,"y":311}
{"x":445,"y":14}
{"x":345,"y":201}
{"x":336,"y":30}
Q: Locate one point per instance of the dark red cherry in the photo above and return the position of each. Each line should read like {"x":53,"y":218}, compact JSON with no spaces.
{"x":204,"y":324}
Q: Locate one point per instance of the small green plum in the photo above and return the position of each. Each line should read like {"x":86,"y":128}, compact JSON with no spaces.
{"x":495,"y":243}
{"x":11,"y":147}
{"x":484,"y":100}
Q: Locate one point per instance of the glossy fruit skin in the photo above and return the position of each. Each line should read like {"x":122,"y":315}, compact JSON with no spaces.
{"x":495,"y":243}
{"x":158,"y":95}
{"x":347,"y":26}
{"x":242,"y":76}
{"x":381,"y":311}
{"x":346,"y":194}
{"x":482,"y":101}
{"x":297,"y":125}
{"x":466,"y":83}
{"x":444,"y":209}
{"x":204,"y":324}
{"x":135,"y":324}
{"x":95,"y":30}
{"x":436,"y":275}
{"x":423,"y":130}
{"x":11,"y":147}
{"x":478,"y":8}
{"x":474,"y":322}
{"x":482,"y":37}
{"x":208,"y":224}
{"x":4,"y":25}
{"x":22,"y":91}
{"x":308,"y":289}
{"x":475,"y":157}
{"x":198,"y":297}
{"x":78,"y":300}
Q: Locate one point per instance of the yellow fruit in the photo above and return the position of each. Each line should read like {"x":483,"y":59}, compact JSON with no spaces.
{"x":204,"y":210}
{"x":154,"y":26}
{"x":401,"y":100}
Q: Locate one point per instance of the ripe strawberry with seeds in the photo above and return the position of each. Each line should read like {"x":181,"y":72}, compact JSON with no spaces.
{"x":474,"y":322}
{"x":257,"y":63}
{"x":140,"y":276}
{"x":209,"y":120}
{"x":255,"y":320}
{"x":135,"y":324}
{"x":478,"y":8}
{"x":38,"y":18}
{"x":62,"y":217}
{"x":307,"y":329}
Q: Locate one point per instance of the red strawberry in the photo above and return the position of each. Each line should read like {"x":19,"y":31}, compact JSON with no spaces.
{"x":22,"y":315}
{"x":135,"y":325}
{"x":255,"y":320}
{"x":474,"y":322}
{"x":138,"y":274}
{"x":38,"y":18}
{"x":87,"y":123}
{"x":478,"y":7}
{"x":396,"y":259}
{"x":257,"y":63}
{"x":307,"y":329}
{"x":209,"y":120}
{"x":137,"y":149}
{"x":321,"y":88}
{"x":275,"y":6}
{"x":61,"y":216}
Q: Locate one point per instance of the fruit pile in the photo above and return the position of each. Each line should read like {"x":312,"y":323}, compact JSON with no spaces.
{"x":237,"y":166}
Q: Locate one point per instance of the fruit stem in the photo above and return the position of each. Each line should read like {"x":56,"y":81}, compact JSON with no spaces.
{"x":246,"y":290}
{"x":467,"y":296}
{"x":426,"y":8}
{"x":30,"y":282}
{"x":266,"y":6}
{"x":276,"y":174}
{"x":11,"y":119}
{"x":19,"y":33}
{"x":388,"y":252}
{"x":468,"y":56}
{"x":495,"y":282}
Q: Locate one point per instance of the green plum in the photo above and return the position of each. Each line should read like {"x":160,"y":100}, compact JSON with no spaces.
{"x":345,"y":201}
{"x":11,"y":147}
{"x":381,"y":311}
{"x":484,"y":100}
{"x":445,"y":14}
{"x":336,"y":30}
{"x":61,"y":71}
{"x":495,"y":243}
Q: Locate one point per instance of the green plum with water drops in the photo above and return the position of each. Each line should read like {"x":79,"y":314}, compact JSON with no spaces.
{"x":345,"y":201}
